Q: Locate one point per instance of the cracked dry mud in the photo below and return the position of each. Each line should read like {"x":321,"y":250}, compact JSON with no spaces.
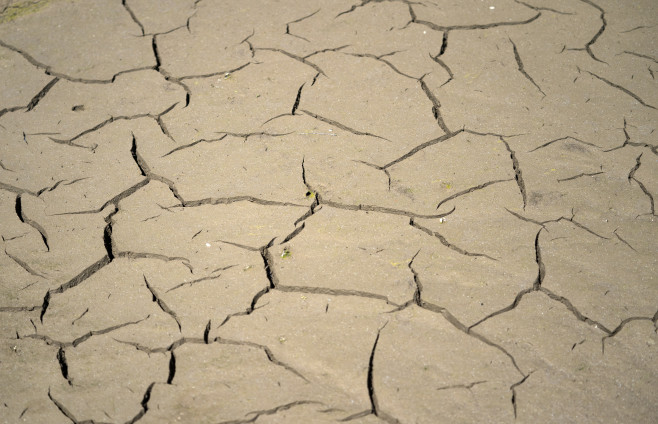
{"x":328,"y":211}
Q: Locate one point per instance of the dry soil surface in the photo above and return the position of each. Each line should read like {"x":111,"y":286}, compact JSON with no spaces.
{"x":432,"y":211}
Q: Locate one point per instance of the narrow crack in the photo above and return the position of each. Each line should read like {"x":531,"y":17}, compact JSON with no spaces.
{"x":214,"y":74}
{"x":144,"y":404}
{"x":293,"y":56}
{"x":381,"y":209}
{"x":541,"y":268}
{"x":62,"y":408}
{"x":621,"y":325}
{"x":48,"y":70}
{"x":268,"y":353}
{"x":631,"y":176}
{"x":81,"y":277}
{"x":213,"y":276}
{"x":297,"y":99}
{"x":446,"y":243}
{"x":25,"y":265}
{"x":604,"y":23}
{"x":421,"y":147}
{"x":334,"y":292}
{"x":161,"y":303}
{"x":442,"y":64}
{"x":538,"y":8}
{"x":275,"y":410}
{"x":375,"y":409}
{"x":522,"y":70}
{"x":468,"y":386}
{"x":622,"y":89}
{"x":40,"y":95}
{"x":24,"y":219}
{"x":339,"y":125}
{"x":296,"y":21}
{"x":172,"y":367}
{"x":582,"y":174}
{"x":436,"y":105}
{"x":513,"y":389}
{"x":442,"y":28}
{"x":643,"y":56}
{"x":63,"y":365}
{"x":574,"y":311}
{"x":470,"y":190}
{"x":623,"y":241}
{"x":133,"y":16}
{"x":518,"y":175}
{"x":146,"y":170}
{"x":384,"y":61}
{"x":548,"y":143}
{"x":186,"y":146}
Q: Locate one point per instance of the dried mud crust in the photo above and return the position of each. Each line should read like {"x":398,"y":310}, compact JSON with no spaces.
{"x":376,"y":211}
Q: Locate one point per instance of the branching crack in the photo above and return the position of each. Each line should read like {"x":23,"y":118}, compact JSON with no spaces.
{"x":604,"y":23}
{"x":296,"y":21}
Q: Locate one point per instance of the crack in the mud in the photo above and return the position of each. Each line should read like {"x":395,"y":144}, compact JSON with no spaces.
{"x":442,"y":64}
{"x":268,"y":353}
{"x":446,"y":243}
{"x":375,"y":408}
{"x":296,"y":21}
{"x":81,"y":277}
{"x":133,"y":16}
{"x":518,"y":175}
{"x":604,"y":24}
{"x":442,"y":28}
{"x":422,"y":146}
{"x":18,"y":207}
{"x":48,"y":70}
{"x":513,"y":390}
{"x":622,"y":89}
{"x":521,"y":67}
{"x":470,"y":190}
{"x":161,"y":303}
{"x":582,"y":174}
{"x":631,"y":176}
{"x":548,"y":143}
{"x":144,"y":404}
{"x":341,"y":126}
{"x":436,"y":106}
{"x":541,"y":268}
{"x":293,"y":56}
{"x":194,"y":143}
